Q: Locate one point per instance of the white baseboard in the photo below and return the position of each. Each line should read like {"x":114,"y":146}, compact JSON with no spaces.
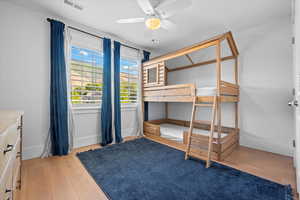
{"x":32,"y":152}
{"x":129,"y":132}
{"x":95,"y":139}
{"x":36,"y":150}
{"x":255,"y":143}
{"x":87,"y":140}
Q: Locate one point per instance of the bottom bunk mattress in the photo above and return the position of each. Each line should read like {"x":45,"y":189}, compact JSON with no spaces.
{"x":175,"y":132}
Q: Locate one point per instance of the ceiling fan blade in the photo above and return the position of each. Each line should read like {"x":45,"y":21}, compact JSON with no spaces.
{"x":169,"y":8}
{"x":167,"y":24}
{"x":131,"y":20}
{"x":146,"y":6}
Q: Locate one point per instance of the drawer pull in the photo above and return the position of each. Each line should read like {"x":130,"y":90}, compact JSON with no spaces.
{"x":7,"y":191}
{"x":9,"y":147}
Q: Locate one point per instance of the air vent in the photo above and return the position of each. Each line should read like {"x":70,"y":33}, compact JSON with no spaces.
{"x":79,"y":7}
{"x":70,"y":3}
{"x":74,"y":3}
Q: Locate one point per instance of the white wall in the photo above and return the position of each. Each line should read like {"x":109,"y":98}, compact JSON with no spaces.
{"x":266,"y":86}
{"x":87,"y":125}
{"x":156,"y":110}
{"x":25,"y":75}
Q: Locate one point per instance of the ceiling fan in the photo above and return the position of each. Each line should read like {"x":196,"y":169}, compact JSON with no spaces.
{"x":158,"y":15}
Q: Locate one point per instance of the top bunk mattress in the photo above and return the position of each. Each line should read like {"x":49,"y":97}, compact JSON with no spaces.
{"x":175,"y":132}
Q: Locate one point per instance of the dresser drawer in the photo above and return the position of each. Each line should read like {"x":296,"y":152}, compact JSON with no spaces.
{"x":12,"y":134}
{"x":16,"y":167}
{"x":7,"y":145}
{"x":11,"y":123}
{"x":6,"y":188}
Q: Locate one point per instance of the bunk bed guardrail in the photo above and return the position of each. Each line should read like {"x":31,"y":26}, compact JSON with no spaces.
{"x":186,"y":92}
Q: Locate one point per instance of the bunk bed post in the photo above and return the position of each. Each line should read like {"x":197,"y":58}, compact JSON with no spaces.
{"x":166,"y":83}
{"x":236,"y":73}
{"x":166,"y":111}
{"x":236,"y":109}
{"x":218,"y":68}
{"x":142,"y":98}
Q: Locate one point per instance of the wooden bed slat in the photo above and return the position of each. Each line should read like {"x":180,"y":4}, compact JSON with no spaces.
{"x":172,"y":87}
{"x":169,"y":99}
{"x":169,"y":92}
{"x":227,"y":84}
{"x":224,"y":99}
{"x":229,"y":91}
{"x":200,"y":64}
{"x":181,"y":52}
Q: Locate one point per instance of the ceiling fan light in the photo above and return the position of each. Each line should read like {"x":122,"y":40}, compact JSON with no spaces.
{"x":153,"y":23}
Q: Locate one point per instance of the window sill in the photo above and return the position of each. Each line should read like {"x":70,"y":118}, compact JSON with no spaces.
{"x":123,"y":107}
{"x":85,"y":107}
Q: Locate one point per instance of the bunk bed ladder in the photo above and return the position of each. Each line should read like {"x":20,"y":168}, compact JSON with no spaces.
{"x":213,"y":105}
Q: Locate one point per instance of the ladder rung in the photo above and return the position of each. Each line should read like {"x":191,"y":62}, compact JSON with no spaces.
{"x":204,"y":104}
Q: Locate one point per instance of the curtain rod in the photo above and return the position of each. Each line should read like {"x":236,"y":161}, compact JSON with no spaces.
{"x":97,"y":36}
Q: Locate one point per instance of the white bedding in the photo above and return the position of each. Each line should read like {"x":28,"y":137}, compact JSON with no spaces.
{"x":175,"y":132}
{"x":206,"y":91}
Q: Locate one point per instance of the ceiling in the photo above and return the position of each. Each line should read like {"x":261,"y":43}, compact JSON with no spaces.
{"x":204,"y":17}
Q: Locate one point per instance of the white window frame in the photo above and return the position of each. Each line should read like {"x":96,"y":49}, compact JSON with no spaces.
{"x":82,"y":105}
{"x":83,"y":40}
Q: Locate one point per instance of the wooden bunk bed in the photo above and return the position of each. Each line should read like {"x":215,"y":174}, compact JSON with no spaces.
{"x":217,"y":141}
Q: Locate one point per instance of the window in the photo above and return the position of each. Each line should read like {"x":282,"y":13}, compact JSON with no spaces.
{"x":129,"y":75}
{"x":86,"y":75}
{"x":86,"y":69}
{"x":128,"y":80}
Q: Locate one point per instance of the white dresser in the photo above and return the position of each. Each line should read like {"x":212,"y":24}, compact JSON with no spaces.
{"x":11,"y":124}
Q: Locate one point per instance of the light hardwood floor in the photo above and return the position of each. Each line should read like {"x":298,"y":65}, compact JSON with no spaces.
{"x":64,"y":178}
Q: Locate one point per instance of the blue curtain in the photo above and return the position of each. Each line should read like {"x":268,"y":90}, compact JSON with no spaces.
{"x":58,"y":91}
{"x":106,"y":109}
{"x":117,"y":105}
{"x":146,"y":104}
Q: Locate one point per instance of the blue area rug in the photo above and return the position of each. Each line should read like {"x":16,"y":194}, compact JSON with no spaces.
{"x":145,"y":170}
